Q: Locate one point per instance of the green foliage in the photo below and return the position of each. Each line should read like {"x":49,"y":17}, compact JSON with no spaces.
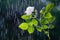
{"x":48,"y":15}
{"x":49,"y":7}
{"x":46,"y":33}
{"x":45,"y":21}
{"x":30,"y":29}
{"x":31,"y":23}
{"x":23,"y":26}
{"x":51,"y":19}
{"x":35,"y":22}
{"x":39,"y":29}
{"x":44,"y":26}
{"x":26,"y":17}
{"x":47,"y":18}
{"x":51,"y":26}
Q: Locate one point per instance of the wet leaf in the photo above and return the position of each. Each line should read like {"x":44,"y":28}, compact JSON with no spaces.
{"x":44,"y":27}
{"x":44,"y":21}
{"x":30,"y":30}
{"x":49,"y":7}
{"x":46,"y":32}
{"x":25,"y":17}
{"x":48,"y":15}
{"x":30,"y":23}
{"x":35,"y":22}
{"x":23,"y":26}
{"x":39,"y":29}
{"x":51,"y":19}
{"x":51,"y":27}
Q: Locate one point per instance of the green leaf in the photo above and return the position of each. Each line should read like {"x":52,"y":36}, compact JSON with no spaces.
{"x":39,"y":29}
{"x":46,"y":32}
{"x":48,"y":15}
{"x":23,"y":26}
{"x":30,"y":30}
{"x":35,"y":22}
{"x":49,"y":7}
{"x":51,"y":27}
{"x":44,"y":27}
{"x":51,"y":19}
{"x":30,"y":23}
{"x":25,"y":17}
{"x":44,"y":21}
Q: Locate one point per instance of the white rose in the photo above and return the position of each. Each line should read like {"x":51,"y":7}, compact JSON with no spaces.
{"x":29,"y":10}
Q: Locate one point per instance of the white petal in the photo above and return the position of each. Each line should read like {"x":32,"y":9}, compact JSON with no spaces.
{"x":29,"y":10}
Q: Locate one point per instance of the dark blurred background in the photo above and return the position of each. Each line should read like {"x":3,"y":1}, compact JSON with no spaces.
{"x":10,"y":13}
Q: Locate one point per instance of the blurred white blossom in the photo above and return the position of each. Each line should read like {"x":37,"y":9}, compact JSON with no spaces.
{"x":29,"y":10}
